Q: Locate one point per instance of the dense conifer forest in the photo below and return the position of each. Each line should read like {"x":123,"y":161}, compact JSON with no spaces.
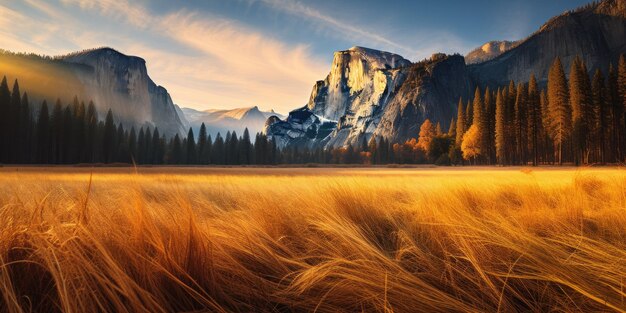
{"x":577,"y":119}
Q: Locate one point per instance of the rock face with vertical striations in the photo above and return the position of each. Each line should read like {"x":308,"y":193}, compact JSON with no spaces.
{"x":110,"y":79}
{"x":596,"y":32}
{"x":120,"y":82}
{"x":358,"y":77}
{"x":373,"y":93}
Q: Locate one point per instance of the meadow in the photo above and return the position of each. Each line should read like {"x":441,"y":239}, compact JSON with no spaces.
{"x":316,"y":239}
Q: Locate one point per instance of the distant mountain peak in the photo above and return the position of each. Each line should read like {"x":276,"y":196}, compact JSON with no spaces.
{"x":607,"y":7}
{"x":614,"y":8}
{"x":109,"y":78}
{"x":375,"y":58}
{"x":223,"y":120}
{"x":99,"y":53}
{"x":489,"y":51}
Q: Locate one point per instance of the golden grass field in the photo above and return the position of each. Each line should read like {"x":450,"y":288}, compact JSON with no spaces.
{"x":325,"y":240}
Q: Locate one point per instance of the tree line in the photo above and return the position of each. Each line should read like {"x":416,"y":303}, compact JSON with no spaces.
{"x":74,"y":133}
{"x":576,"y":120}
{"x":579,"y":119}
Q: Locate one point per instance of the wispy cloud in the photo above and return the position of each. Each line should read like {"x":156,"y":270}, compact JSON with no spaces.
{"x":204,"y":60}
{"x":223,"y":63}
{"x":132,"y":13}
{"x":347,"y":29}
{"x":415,"y":45}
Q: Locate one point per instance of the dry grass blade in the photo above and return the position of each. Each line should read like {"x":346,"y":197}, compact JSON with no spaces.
{"x":340,"y":240}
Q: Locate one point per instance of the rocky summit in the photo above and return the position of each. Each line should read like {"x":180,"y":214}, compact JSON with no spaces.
{"x":374,"y":93}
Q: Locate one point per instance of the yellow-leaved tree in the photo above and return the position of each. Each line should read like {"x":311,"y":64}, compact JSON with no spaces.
{"x":471,"y":143}
{"x":427,"y":133}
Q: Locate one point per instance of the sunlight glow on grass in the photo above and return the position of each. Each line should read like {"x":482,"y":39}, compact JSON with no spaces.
{"x":434,"y":240}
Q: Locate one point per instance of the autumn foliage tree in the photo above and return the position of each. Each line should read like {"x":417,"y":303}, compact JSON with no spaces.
{"x":426,"y":135}
{"x":577,"y":120}
{"x":471,"y":143}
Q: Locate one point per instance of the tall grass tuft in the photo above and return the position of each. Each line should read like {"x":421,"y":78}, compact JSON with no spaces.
{"x":341,"y":240}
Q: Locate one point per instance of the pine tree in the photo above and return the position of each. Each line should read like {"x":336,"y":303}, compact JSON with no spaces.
{"x":245,"y":148}
{"x":91,"y":121}
{"x":602,"y":119}
{"x":559,"y":108}
{"x":481,"y":123}
{"x":203,"y":153}
{"x":158,"y":151}
{"x":26,"y":130}
{"x":208,"y":150}
{"x":232,"y":149}
{"x":580,"y":101}
{"x":80,"y":130}
{"x":228,"y":158}
{"x":191,"y":147}
{"x":548,"y":152}
{"x":218,"y":154}
{"x":520,"y":122}
{"x":132,"y":145}
{"x":460,"y":124}
{"x":501,"y":127}
{"x":67,"y":135}
{"x":98,"y":153}
{"x":617,"y":111}
{"x":56,"y":132}
{"x":469,"y":114}
{"x":490,"y":120}
{"x":260,"y":149}
{"x":108,"y":143}
{"x":43,"y":134}
{"x":148,"y":149}
{"x":121,"y":151}
{"x":141,"y":146}
{"x":511,"y":97}
{"x":177,"y":151}
{"x":452,"y":129}
{"x":5,"y":116}
{"x":534,"y":118}
{"x":621,"y":88}
{"x":14,"y":126}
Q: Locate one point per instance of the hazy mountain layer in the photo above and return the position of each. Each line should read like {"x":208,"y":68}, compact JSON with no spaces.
{"x":223,"y":121}
{"x":109,"y":78}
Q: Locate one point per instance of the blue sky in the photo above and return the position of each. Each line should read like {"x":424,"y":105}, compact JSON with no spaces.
{"x":238,"y":53}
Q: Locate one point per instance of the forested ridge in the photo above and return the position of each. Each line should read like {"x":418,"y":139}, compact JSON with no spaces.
{"x":577,"y":119}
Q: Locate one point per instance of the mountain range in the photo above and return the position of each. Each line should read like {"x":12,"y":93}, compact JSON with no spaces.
{"x":367,"y":93}
{"x":112,"y":80}
{"x":222,"y":121}
{"x":370,"y":93}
